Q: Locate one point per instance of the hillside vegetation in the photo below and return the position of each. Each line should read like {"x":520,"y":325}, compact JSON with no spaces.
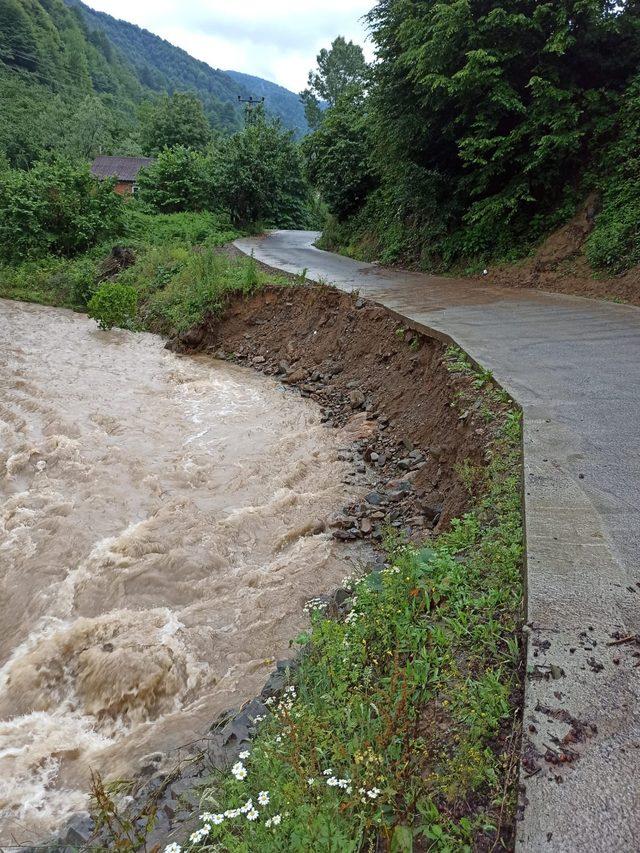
{"x":482,"y":128}
{"x":77,"y":83}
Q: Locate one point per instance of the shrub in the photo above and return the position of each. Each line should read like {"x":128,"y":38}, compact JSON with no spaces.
{"x":180,"y":179}
{"x":200,"y":284}
{"x":114,"y":304}
{"x":258,"y":177}
{"x":55,"y":209}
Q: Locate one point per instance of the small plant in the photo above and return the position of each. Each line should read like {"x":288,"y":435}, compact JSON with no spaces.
{"x":126,"y":833}
{"x":114,"y":304}
{"x":250,"y":279}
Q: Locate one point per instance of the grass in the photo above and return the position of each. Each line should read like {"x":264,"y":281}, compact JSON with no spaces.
{"x":180,"y":274}
{"x":399,"y":731}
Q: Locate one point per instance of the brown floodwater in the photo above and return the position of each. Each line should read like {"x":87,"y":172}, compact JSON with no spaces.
{"x":159,"y":522}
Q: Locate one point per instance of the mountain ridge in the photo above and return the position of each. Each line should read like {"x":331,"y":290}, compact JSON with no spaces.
{"x":162,"y":66}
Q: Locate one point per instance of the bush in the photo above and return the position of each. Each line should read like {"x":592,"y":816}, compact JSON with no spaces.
{"x":57,"y":209}
{"x":181,"y":294}
{"x":180,"y":179}
{"x":614,"y":244}
{"x":114,"y":304}
{"x":258,"y":177}
{"x":186,"y":229}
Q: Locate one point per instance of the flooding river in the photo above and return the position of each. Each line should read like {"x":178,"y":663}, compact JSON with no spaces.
{"x":158,"y":540}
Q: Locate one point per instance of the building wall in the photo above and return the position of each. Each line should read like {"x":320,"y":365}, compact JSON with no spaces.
{"x":124,"y":187}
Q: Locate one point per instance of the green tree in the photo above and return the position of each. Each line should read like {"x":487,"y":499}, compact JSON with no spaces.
{"x":337,"y":156}
{"x":176,"y":120}
{"x":259,"y":176}
{"x":180,"y":179}
{"x":55,"y":208}
{"x":340,"y":69}
{"x":89,"y":129}
{"x":18,"y":44}
{"x":485,"y":115}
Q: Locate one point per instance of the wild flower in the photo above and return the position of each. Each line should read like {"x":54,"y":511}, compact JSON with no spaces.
{"x":247,"y":807}
{"x":252,"y":815}
{"x":332,"y":782}
{"x":263,"y":798}
{"x":374,"y":793}
{"x":239,"y":771}
{"x":173,"y":848}
{"x":217,"y":819}
{"x":231,"y":813}
{"x":327,"y":772}
{"x":276,"y":820}
{"x":197,"y":836}
{"x":244,"y":754}
{"x":310,"y":781}
{"x":206,"y":817}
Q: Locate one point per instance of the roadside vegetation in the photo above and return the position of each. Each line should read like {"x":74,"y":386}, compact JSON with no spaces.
{"x":480,"y":130}
{"x":401,"y":724}
{"x":155,"y":261}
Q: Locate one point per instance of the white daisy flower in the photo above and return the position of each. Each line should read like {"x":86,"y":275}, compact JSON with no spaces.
{"x":263,"y":798}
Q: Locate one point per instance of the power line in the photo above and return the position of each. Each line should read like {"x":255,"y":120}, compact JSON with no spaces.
{"x":251,"y":104}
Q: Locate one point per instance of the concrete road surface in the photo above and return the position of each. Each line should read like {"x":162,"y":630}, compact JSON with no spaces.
{"x":573,"y":364}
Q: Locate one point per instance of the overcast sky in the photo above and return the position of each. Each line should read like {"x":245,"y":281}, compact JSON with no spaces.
{"x":277,"y":40}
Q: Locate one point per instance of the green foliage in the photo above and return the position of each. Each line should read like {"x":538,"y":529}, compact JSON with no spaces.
{"x":258,"y":176}
{"x":614,"y":244}
{"x":144,"y":229}
{"x":188,"y":286}
{"x":174,"y":121}
{"x":179,"y":180}
{"x":114,"y":304}
{"x":160,"y":67}
{"x":59,"y":209}
{"x":389,"y":726}
{"x":338,"y":156}
{"x":340,"y":71}
{"x":484,"y":119}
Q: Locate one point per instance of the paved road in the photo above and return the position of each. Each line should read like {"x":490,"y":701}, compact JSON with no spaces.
{"x":574,"y":366}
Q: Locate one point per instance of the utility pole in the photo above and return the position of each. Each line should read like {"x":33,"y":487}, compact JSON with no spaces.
{"x":251,"y":104}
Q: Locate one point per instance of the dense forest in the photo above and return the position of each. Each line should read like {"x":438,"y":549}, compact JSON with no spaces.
{"x":77,"y":83}
{"x":483,"y":126}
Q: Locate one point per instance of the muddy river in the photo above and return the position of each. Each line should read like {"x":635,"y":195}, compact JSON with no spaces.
{"x":159,"y":522}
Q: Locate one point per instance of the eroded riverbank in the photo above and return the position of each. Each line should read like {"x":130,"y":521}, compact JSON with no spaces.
{"x":162,"y":524}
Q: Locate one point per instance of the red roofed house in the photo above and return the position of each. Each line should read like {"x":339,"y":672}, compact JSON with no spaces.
{"x":123,"y":169}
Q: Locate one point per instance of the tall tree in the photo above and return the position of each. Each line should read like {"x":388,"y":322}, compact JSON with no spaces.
{"x":339,"y":69}
{"x":176,"y":120}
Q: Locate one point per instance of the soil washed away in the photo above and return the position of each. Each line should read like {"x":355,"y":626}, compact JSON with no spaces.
{"x":160,"y":532}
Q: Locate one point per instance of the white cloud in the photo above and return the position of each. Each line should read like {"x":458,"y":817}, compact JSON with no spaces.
{"x":277,"y":40}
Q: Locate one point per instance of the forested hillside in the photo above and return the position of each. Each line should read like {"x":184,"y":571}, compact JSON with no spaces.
{"x":281,"y":103}
{"x":62,"y":88}
{"x":482,"y":128}
{"x":162,"y":67}
{"x":77,"y":82}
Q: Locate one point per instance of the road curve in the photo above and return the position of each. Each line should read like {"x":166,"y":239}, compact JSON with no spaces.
{"x":573,"y":364}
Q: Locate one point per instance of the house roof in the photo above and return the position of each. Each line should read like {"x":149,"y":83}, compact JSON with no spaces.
{"x":122,"y":168}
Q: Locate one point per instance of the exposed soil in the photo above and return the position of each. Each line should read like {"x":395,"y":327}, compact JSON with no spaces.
{"x":559,"y":265}
{"x":389,"y":383}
